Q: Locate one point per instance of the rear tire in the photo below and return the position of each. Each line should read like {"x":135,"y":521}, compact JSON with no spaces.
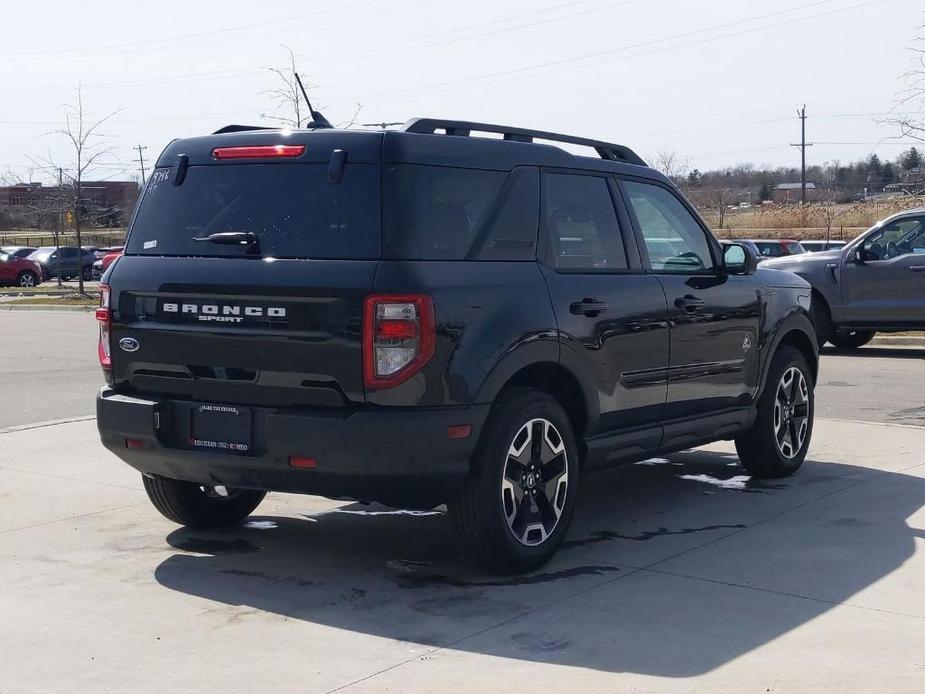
{"x":87,"y":273}
{"x":851,"y":339}
{"x":777,"y":443}
{"x":518,"y":500}
{"x":196,"y":506}
{"x":26,"y":279}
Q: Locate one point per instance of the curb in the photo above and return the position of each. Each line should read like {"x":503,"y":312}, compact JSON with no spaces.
{"x":45,"y":307}
{"x":904,"y":340}
{"x":46,"y":423}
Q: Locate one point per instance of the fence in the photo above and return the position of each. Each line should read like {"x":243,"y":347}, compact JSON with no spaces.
{"x":95,"y":237}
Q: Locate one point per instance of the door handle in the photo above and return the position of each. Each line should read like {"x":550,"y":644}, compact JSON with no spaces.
{"x":588,"y":307}
{"x":917,"y":268}
{"x":689,"y":303}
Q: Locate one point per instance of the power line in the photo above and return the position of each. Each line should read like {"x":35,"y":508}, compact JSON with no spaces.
{"x":540,"y":68}
{"x":156,"y":44}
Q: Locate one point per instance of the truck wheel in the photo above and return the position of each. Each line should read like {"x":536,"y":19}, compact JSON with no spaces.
{"x":776,"y":444}
{"x":851,"y":339}
{"x":196,"y":506}
{"x":522,"y":488}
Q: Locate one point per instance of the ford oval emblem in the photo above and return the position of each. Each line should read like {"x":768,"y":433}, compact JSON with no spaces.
{"x":129,"y":344}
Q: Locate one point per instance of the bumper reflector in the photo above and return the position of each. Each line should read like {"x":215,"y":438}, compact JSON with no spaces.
{"x":134,"y":443}
{"x":302,"y":462}
{"x":459,"y":431}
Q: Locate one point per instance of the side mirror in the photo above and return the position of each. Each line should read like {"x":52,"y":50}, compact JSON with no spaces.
{"x":739,"y":260}
{"x":858,"y":256}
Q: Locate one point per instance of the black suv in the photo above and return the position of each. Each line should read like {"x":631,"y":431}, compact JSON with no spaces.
{"x":426,"y":316}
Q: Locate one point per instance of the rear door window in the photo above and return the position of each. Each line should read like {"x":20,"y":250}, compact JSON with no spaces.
{"x":292,"y":208}
{"x":582,"y":222}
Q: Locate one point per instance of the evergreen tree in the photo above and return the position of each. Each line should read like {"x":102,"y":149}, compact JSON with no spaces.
{"x":910,"y":159}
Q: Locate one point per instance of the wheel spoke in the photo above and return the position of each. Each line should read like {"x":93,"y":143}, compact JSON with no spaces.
{"x":514,"y":470}
{"x":548,"y":514}
{"x":536,"y":442}
{"x":521,"y":518}
{"x":554,"y":469}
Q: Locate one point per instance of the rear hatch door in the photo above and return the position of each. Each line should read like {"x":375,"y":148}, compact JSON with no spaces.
{"x":275,"y":320}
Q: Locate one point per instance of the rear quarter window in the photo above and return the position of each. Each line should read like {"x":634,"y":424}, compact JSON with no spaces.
{"x":450,"y":213}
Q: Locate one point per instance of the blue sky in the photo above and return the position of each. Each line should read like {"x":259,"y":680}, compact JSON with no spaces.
{"x":716,"y":81}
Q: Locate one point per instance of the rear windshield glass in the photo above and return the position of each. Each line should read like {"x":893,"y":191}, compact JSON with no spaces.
{"x":292,"y":208}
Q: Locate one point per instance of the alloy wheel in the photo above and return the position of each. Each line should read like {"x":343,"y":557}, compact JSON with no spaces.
{"x":534,"y":484}
{"x":27,"y":280}
{"x":791,"y":412}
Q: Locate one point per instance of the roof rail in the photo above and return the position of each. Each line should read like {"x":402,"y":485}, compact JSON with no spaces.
{"x":241,"y":129}
{"x":606,"y":150}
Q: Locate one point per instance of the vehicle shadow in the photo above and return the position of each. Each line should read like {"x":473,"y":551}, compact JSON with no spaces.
{"x":876,"y":352}
{"x":672,"y":568}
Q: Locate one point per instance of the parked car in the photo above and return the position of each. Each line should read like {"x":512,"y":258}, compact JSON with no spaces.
{"x":776,"y":248}
{"x":876,"y":283}
{"x":101,"y":252}
{"x":437,"y":318}
{"x":20,"y":272}
{"x":100,"y":265}
{"x":816,"y":246}
{"x":18,"y":251}
{"x":63,"y":260}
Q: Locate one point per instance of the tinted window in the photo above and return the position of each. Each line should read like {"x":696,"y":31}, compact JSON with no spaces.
{"x":582,"y":223}
{"x":292,"y":208}
{"x":674,"y":240}
{"x":435,"y":212}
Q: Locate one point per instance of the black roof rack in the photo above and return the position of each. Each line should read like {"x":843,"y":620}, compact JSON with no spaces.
{"x":606,"y":150}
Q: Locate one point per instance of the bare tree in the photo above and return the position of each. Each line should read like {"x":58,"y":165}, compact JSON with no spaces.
{"x":828,"y":212}
{"x":293,"y":112}
{"x":87,"y":151}
{"x":720,"y":199}
{"x":287,"y":95}
{"x":671,"y":165}
{"x":912,"y":125}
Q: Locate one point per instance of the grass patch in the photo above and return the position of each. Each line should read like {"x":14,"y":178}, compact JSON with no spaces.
{"x":72,"y":300}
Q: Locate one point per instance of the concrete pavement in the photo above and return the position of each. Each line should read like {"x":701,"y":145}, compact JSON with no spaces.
{"x":679,"y":575}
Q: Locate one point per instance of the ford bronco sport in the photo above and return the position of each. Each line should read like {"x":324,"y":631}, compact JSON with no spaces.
{"x":427,"y":316}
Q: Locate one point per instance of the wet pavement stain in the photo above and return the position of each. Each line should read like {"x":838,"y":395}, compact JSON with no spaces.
{"x":540,"y":644}
{"x":414,"y":579}
{"x":212,"y":545}
{"x":609,"y":535}
{"x":292,"y":580}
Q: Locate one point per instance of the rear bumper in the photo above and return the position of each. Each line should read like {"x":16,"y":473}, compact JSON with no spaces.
{"x":400,"y":457}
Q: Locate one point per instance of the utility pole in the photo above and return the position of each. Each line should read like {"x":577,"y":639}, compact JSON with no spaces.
{"x":801,"y":114}
{"x":141,"y":162}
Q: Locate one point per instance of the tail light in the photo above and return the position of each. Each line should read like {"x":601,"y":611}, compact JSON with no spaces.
{"x":398,"y":337}
{"x":104,"y":317}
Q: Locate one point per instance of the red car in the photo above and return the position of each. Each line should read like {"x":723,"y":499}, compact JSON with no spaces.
{"x":19,"y":271}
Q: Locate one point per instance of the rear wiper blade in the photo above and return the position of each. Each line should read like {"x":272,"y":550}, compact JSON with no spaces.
{"x":232,"y":238}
